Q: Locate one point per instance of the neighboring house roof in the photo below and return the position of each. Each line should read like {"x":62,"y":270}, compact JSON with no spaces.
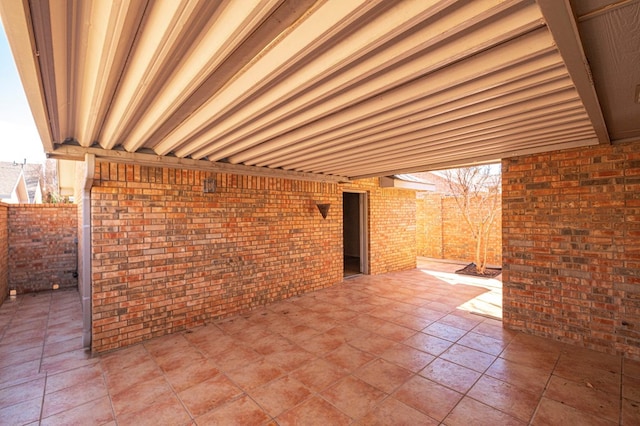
{"x":12,"y":175}
{"x":33,"y":179}
{"x":439,"y":182}
{"x":9,"y":177}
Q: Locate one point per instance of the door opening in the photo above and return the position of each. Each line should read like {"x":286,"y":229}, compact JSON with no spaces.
{"x":354,"y":225}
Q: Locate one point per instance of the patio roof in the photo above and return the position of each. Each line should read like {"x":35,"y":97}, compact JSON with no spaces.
{"x":331,"y":88}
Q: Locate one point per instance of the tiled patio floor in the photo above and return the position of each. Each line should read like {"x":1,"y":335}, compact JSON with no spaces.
{"x":393,"y":349}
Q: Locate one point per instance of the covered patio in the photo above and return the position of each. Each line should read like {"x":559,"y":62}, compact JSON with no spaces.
{"x":412,"y":347}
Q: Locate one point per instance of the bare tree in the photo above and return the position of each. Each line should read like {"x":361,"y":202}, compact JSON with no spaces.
{"x":477,"y":191}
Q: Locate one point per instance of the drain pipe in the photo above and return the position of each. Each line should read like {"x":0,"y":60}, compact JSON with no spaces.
{"x":84,"y":249}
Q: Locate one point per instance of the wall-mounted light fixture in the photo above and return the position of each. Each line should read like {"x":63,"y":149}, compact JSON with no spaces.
{"x":324,"y":209}
{"x":209,"y":186}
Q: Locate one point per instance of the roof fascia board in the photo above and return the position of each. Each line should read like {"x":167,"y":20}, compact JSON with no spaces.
{"x":78,"y":153}
{"x":563,"y":28}
{"x":18,"y":25}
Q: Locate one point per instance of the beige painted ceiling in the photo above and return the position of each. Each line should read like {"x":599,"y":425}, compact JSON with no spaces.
{"x":332,"y":89}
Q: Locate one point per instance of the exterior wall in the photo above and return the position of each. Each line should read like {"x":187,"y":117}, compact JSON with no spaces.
{"x":443,"y":233}
{"x":392,"y":227}
{"x":167,"y":257}
{"x":4,"y":252}
{"x":42,"y":246}
{"x":429,"y":221}
{"x":571,"y":236}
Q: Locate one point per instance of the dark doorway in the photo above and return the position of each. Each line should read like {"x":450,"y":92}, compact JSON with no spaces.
{"x":354,"y":233}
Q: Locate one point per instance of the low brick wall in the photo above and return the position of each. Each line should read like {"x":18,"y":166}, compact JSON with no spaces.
{"x":442,"y":232}
{"x":4,"y":252}
{"x":42,"y":246}
{"x":571,"y":236}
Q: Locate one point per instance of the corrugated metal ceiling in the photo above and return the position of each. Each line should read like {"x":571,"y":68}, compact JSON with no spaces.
{"x":337,"y":88}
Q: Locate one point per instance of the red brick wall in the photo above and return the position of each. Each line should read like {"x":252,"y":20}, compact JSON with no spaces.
{"x":166,"y":256}
{"x":392,"y":230}
{"x":42,"y":246}
{"x":429,"y":233}
{"x":4,"y":252}
{"x":571,"y":236}
{"x":442,"y":232}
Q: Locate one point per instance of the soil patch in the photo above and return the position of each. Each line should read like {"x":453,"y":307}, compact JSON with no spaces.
{"x":471,"y":269}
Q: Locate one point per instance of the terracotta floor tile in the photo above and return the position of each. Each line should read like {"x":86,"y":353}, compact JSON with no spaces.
{"x":232,"y":325}
{"x":140,"y":395}
{"x":23,"y":413}
{"x":471,"y":412}
{"x":67,"y":361}
{"x":314,"y":411}
{"x":206,"y":395}
{"x":458,"y":320}
{"x":528,"y":357}
{"x":22,"y":392}
{"x":290,"y":359}
{"x":631,"y":367}
{"x":280,"y":395}
{"x":631,"y":388}
{"x":96,"y":412}
{"x":393,"y":412}
{"x":255,"y":374}
{"x":73,"y":396}
{"x":241,"y":411}
{"x":318,"y":374}
{"x":483,"y":343}
{"x":444,"y":331}
{"x":583,"y":398}
{"x":349,"y":358}
{"x":348,"y":332}
{"x":166,"y":346}
{"x":59,"y":347}
{"x":204,"y":334}
{"x":528,"y":378}
{"x":411,"y":321}
{"x":353,"y":397}
{"x":20,"y":373}
{"x":587,"y":358}
{"x":427,"y":343}
{"x":125,"y":358}
{"x":514,"y":401}
{"x":235,"y":357}
{"x":407,"y":357}
{"x":373,"y":344}
{"x":467,"y":357}
{"x":87,"y":374}
{"x":552,"y":412}
{"x":190,"y":374}
{"x":451,"y":375}
{"x":496,"y":331}
{"x":383,"y":375}
{"x":126,"y":376}
{"x":269,"y":344}
{"x":427,"y":396}
{"x":588,"y":373}
{"x":630,"y":412}
{"x":166,"y":410}
{"x":20,"y":356}
{"x":394,"y":332}
{"x":179,"y":357}
{"x":322,"y":344}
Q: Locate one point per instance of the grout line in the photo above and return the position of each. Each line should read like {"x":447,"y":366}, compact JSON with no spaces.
{"x":546,"y":385}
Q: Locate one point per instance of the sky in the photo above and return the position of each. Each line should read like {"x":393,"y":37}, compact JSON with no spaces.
{"x":19,"y":138}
